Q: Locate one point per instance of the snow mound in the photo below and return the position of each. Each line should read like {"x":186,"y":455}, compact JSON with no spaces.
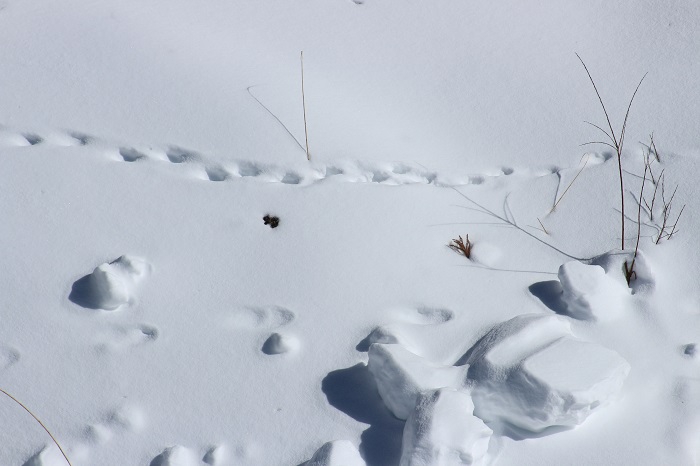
{"x":506,"y":345}
{"x":590,"y":293}
{"x":613,"y":263}
{"x":442,"y":430}
{"x":110,"y":285}
{"x":531,"y":374}
{"x":336,"y":453}
{"x":401,"y":376}
{"x":176,"y":456}
{"x":278,"y":343}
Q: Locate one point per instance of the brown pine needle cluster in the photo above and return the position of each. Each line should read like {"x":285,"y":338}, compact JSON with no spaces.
{"x":462,"y":246}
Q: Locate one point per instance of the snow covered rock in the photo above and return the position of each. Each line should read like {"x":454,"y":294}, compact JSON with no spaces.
{"x":401,"y":376}
{"x":530,"y":373}
{"x":337,"y":453}
{"x":590,"y":293}
{"x":110,"y":285}
{"x":442,"y":430}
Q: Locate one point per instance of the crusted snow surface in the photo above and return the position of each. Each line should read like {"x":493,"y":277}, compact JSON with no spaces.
{"x":442,"y":430}
{"x":110,"y":285}
{"x":401,"y":376}
{"x":532,"y":374}
{"x":590,"y":293}
{"x":336,"y":453}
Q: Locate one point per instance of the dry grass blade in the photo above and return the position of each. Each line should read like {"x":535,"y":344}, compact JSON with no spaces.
{"x":629,"y":270}
{"x":615,"y":142}
{"x":40,"y":423}
{"x":462,"y":246}
{"x":568,"y":187}
{"x":303,"y":101}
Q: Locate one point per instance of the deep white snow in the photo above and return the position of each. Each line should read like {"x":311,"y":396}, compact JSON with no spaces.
{"x":152,"y":313}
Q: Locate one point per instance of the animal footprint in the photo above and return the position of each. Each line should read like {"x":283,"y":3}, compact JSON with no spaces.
{"x":179,"y":155}
{"x":215,"y":173}
{"x":129,"y":154}
{"x":121,"y":338}
{"x":8,"y":357}
{"x":424,"y":315}
{"x":264,"y":318}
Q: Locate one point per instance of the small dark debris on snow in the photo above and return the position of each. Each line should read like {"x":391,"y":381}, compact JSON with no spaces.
{"x":272,"y":221}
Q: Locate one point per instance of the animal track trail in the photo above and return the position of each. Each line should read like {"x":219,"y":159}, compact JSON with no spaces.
{"x":348,"y":171}
{"x":261,"y":318}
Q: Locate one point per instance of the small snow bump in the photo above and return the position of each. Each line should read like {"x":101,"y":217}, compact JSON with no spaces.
{"x":9,"y":138}
{"x":98,"y":434}
{"x":176,"y":456}
{"x":336,"y":453}
{"x":129,"y":417}
{"x":279,"y":344}
{"x":111,"y":285}
{"x":217,"y":455}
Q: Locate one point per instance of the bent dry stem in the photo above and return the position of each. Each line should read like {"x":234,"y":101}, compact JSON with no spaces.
{"x":616,"y":142}
{"x":40,"y":423}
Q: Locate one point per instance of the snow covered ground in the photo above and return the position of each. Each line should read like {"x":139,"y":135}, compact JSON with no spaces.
{"x":151,"y":315}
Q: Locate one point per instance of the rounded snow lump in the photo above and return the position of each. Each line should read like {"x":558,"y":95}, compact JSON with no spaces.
{"x":110,"y":285}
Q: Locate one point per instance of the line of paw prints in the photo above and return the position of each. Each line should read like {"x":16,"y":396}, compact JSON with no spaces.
{"x":385,"y":173}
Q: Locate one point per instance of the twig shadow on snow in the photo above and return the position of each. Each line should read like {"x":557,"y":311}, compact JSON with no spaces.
{"x":550,"y":294}
{"x":82,"y":293}
{"x":354,"y":392}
